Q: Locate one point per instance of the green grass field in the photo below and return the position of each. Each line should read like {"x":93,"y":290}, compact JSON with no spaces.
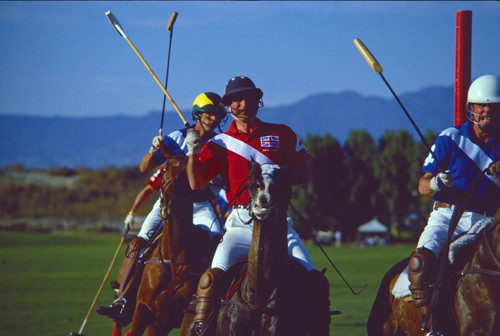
{"x":48,"y":282}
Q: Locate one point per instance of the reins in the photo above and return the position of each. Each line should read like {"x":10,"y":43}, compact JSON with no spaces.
{"x":326,"y":255}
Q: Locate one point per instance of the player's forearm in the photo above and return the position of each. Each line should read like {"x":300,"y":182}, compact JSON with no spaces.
{"x":194,"y":173}
{"x":147,"y":163}
{"x":424,"y":185}
{"x":141,"y":198}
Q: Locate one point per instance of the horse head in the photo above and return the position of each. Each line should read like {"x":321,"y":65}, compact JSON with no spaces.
{"x":268,"y":188}
{"x":173,"y":175}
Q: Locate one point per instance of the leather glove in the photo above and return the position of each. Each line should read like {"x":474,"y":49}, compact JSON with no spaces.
{"x":193,"y":141}
{"x":494,"y":169}
{"x":129,"y":221}
{"x":156,"y":146}
{"x":442,"y":180}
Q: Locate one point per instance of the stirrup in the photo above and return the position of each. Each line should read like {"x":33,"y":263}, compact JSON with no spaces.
{"x":434,"y":333}
{"x":111,"y":311}
{"x":198,"y":327}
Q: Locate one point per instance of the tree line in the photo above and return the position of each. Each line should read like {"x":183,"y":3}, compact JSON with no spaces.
{"x":351,"y":183}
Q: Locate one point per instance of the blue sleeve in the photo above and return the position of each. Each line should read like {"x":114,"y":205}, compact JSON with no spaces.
{"x":176,"y":142}
{"x":442,"y":148}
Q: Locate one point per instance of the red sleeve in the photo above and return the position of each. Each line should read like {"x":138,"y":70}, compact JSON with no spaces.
{"x":297,"y":154}
{"x":155,"y":179}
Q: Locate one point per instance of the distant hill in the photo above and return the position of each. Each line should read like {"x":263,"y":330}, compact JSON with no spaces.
{"x":43,"y":142}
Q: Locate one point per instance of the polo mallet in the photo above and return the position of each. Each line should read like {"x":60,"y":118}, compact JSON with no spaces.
{"x":101,"y":287}
{"x":170,"y":27}
{"x":378,"y":69}
{"x":114,"y":22}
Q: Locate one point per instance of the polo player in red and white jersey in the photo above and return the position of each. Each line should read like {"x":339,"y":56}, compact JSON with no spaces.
{"x":230,"y":154}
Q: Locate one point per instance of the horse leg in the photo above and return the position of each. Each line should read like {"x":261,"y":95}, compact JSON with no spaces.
{"x":141,"y":320}
{"x":117,"y":329}
{"x":318,"y":304}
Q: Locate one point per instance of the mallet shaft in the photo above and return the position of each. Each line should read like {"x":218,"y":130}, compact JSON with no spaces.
{"x":103,"y":281}
{"x":375,"y":65}
{"x":119,"y":29}
{"x":170,"y":27}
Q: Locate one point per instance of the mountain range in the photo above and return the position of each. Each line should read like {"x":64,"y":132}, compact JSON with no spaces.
{"x":97,"y":142}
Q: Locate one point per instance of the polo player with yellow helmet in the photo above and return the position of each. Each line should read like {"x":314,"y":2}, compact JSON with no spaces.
{"x":208,"y":112}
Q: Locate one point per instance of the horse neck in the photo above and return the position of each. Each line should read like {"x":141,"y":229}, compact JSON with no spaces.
{"x":178,"y":229}
{"x":487,"y":251}
{"x":267,"y":257}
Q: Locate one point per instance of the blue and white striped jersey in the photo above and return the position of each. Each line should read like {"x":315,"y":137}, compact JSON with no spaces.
{"x":457,"y":149}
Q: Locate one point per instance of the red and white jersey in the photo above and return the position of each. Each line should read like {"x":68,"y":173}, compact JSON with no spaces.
{"x":155,"y":179}
{"x":231,"y":152}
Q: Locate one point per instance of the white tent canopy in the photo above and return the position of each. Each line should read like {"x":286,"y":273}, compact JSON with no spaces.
{"x":373,"y":226}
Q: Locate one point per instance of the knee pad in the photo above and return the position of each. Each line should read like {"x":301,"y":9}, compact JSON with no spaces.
{"x":422,"y":274}
{"x":208,"y":278}
{"x":135,"y":246}
{"x":422,"y":260}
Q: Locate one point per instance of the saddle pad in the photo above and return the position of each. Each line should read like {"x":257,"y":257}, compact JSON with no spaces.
{"x":402,"y":285}
{"x":467,"y":238}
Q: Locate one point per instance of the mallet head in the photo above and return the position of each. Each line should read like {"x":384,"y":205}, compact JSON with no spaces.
{"x":114,"y":22}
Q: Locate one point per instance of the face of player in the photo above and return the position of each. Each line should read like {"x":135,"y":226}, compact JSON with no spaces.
{"x":244,"y":106}
{"x":487,"y":117}
{"x":209,"y":121}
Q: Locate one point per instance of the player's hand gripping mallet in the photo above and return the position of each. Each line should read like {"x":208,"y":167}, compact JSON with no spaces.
{"x":119,"y":29}
{"x":170,"y":28}
{"x":101,"y":287}
{"x":370,"y":59}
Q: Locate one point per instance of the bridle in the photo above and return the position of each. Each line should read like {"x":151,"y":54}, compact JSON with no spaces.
{"x":491,"y":254}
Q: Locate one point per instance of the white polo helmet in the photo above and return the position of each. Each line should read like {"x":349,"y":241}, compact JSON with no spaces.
{"x":484,"y":90}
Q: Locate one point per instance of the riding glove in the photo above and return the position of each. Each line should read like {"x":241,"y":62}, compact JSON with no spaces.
{"x":193,"y":141}
{"x":441,"y":181}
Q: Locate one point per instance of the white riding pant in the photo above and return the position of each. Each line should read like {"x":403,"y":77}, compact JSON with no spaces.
{"x":435,"y":232}
{"x":203,"y":216}
{"x":235,"y":244}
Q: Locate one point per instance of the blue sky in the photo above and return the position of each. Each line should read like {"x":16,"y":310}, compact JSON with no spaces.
{"x":65,"y":59}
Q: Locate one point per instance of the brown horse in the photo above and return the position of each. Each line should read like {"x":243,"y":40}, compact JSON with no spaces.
{"x":171,"y":274}
{"x":469,"y":302}
{"x":271,"y":298}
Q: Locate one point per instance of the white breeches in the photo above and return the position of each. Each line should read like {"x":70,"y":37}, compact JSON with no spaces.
{"x":235,"y":244}
{"x":435,"y":232}
{"x":203,"y":216}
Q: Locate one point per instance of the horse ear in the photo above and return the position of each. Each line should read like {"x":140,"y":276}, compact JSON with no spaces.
{"x":255,"y":170}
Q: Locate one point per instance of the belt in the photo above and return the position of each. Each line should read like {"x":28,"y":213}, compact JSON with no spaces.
{"x":439,"y":205}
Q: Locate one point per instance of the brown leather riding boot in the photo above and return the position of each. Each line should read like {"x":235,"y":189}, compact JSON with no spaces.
{"x":422,"y":274}
{"x":205,"y":293}
{"x":131,"y":274}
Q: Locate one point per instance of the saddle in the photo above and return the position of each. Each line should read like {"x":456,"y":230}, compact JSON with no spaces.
{"x":461,"y":247}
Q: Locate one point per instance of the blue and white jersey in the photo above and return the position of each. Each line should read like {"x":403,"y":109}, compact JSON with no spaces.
{"x":456,"y":149}
{"x":176,"y":141}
